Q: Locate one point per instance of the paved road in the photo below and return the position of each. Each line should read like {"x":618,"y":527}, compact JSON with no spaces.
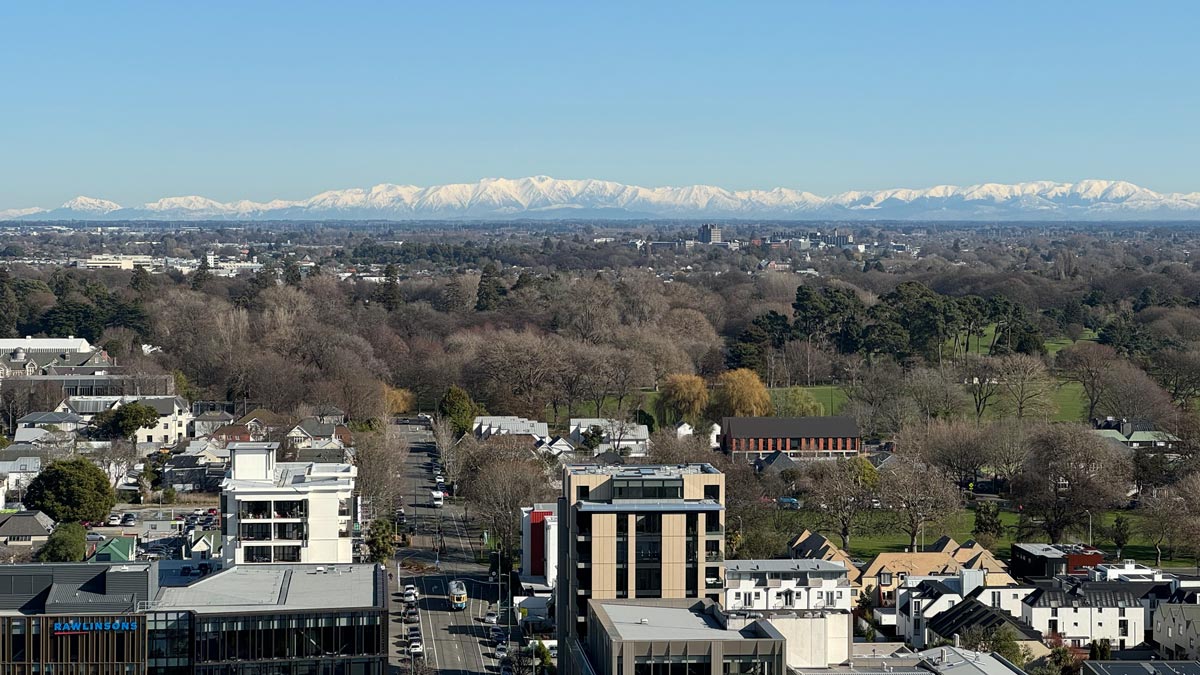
{"x":456,"y":642}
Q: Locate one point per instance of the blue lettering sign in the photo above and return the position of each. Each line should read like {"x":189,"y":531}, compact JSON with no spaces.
{"x":75,"y":626}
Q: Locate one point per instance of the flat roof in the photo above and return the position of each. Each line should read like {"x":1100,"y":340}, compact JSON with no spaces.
{"x":266,"y":588}
{"x":657,"y":621}
{"x":650,"y":506}
{"x":641,"y":470}
{"x":1141,"y":667}
{"x":797,"y":565}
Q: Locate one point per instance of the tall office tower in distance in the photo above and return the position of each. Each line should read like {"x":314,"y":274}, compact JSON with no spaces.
{"x":645,"y":531}
{"x":709,"y":234}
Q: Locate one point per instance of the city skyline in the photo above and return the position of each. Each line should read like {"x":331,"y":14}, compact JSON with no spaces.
{"x":135,"y":102}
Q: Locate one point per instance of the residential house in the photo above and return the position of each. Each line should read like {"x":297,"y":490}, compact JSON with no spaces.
{"x":759,"y":585}
{"x":555,"y":447}
{"x":886,"y":574}
{"x":1136,"y":435}
{"x":1177,"y":631}
{"x":627,"y":438}
{"x":775,"y":463}
{"x":63,"y":421}
{"x":232,"y":433}
{"x":265,"y":425}
{"x":683,"y":430}
{"x":973,"y":615}
{"x":25,"y":528}
{"x":485,"y":426}
{"x":204,"y":546}
{"x":799,"y":437}
{"x":1082,"y":612}
{"x":311,"y":431}
{"x":921,"y":599}
{"x":809,"y":545}
{"x":1051,"y":560}
{"x":207,"y":422}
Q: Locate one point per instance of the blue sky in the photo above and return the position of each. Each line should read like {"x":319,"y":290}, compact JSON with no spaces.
{"x":136,"y":101}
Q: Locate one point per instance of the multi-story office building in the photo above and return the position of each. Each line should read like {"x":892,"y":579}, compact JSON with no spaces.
{"x":293,"y":512}
{"x":709,"y":234}
{"x":638,"y":532}
{"x":102,"y":619}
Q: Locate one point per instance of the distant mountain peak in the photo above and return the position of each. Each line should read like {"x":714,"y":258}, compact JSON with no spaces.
{"x":547,"y":197}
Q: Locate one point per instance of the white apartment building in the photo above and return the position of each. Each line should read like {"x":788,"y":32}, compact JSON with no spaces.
{"x":921,"y":598}
{"x":764,"y":585}
{"x":287,"y":512}
{"x":1081,"y":613}
{"x":116,"y":262}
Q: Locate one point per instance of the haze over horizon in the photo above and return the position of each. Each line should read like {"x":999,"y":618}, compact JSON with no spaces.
{"x":134,"y":102}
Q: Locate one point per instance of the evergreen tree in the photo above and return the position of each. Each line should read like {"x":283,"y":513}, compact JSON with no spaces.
{"x":491,"y":289}
{"x":68,"y":543}
{"x":202,"y":275}
{"x":457,"y":406}
{"x":71,"y":490}
{"x":381,"y":540}
{"x":291,"y":273}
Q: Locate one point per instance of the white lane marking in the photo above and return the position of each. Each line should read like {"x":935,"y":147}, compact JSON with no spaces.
{"x":431,"y":641}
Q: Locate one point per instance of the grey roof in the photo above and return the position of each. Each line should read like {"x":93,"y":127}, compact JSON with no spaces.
{"x":51,"y":418}
{"x":274,"y":588}
{"x":795,"y":565}
{"x":775,"y":462}
{"x":656,"y":621}
{"x":1084,"y":595}
{"x":789,"y":427}
{"x":214,"y":416}
{"x":26,"y":524}
{"x":955,"y":661}
{"x":643,"y":470}
{"x":73,"y":594}
{"x":974,"y":614}
{"x":316,"y":428}
{"x":1141,"y":667}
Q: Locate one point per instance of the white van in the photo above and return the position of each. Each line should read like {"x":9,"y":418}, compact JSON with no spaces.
{"x":438,"y":498}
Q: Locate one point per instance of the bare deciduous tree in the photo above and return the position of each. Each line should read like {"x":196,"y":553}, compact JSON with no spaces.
{"x":1026,"y":388}
{"x":380,"y":457}
{"x":917,"y":496}
{"x":1087,"y":363}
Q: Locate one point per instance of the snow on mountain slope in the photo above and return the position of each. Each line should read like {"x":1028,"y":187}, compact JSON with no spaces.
{"x":543,"y":196}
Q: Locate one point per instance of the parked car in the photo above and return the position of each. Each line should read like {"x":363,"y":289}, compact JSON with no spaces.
{"x":502,"y":650}
{"x":198,"y":512}
{"x":553,"y":652}
{"x":129,"y":519}
{"x":414,"y":633}
{"x":492,"y":618}
{"x":413,"y":589}
{"x":415,"y":647}
{"x":114,"y":519}
{"x":95,"y":536}
{"x":412,"y":615}
{"x":409,"y":596}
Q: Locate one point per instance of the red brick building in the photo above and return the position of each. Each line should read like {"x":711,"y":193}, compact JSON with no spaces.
{"x":798,"y":437}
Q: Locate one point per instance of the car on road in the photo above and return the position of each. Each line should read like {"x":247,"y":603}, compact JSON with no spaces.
{"x":506,"y":669}
{"x":412,"y":615}
{"x":129,"y":519}
{"x":413,"y":588}
{"x":492,"y":618}
{"x":95,"y":536}
{"x":502,"y":650}
{"x":410,"y":597}
{"x":414,"y":633}
{"x":415,"y":647}
{"x":199,"y":512}
{"x":114,"y":519}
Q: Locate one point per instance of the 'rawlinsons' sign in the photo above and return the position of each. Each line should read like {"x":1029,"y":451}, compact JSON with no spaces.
{"x":74,"y":627}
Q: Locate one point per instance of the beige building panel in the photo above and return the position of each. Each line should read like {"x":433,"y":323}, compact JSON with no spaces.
{"x":693,"y":486}
{"x":604,"y":580}
{"x":597,"y":486}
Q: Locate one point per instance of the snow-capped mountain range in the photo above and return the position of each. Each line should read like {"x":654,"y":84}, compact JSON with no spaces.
{"x":545,"y":197}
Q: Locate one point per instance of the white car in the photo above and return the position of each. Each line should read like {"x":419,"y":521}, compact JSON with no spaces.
{"x":415,"y":647}
{"x":409,"y":596}
{"x":502,"y":650}
{"x":492,"y":618}
{"x":114,"y":519}
{"x":413,"y":589}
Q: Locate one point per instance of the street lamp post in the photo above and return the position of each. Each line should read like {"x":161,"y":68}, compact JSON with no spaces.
{"x":1089,"y":515}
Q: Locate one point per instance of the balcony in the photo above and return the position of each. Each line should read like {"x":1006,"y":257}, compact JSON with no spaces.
{"x":714,"y":556}
{"x":344,"y":508}
{"x":257,"y":554}
{"x":290,"y":531}
{"x":717,"y":531}
{"x":713,"y":583}
{"x":291,"y":509}
{"x":255,"y":532}
{"x":288,"y":554}
{"x":254,"y":510}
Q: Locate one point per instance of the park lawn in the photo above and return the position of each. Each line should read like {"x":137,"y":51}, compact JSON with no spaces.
{"x":1057,"y":344}
{"x":866,"y":547}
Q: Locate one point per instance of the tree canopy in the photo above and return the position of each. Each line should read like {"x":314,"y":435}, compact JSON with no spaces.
{"x":71,"y":490}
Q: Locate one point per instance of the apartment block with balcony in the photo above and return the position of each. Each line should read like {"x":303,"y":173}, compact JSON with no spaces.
{"x":638,"y":532}
{"x":766,"y":585}
{"x":286,"y":512}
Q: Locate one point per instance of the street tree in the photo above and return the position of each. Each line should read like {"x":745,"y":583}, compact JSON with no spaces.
{"x":840,"y":494}
{"x":71,"y":490}
{"x":456,"y":405}
{"x":1069,"y":476}
{"x":381,"y":540}
{"x":448,"y":452}
{"x":381,"y":456}
{"x":499,"y":488}
{"x":916,"y":496}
